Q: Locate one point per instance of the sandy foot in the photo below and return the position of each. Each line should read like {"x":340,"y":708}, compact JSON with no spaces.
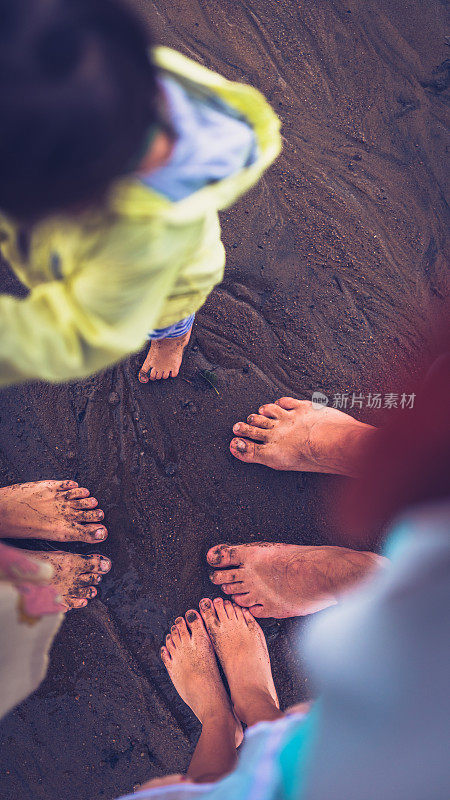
{"x":190,"y":661}
{"x":74,"y":576}
{"x":164,"y":358}
{"x":53,"y":510}
{"x":285,"y":580}
{"x":241,"y":648}
{"x":294,"y":435}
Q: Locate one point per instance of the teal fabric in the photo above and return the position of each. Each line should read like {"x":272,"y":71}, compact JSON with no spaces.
{"x":296,"y":754}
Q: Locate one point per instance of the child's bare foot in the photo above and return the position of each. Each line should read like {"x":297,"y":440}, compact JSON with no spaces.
{"x":190,"y":661}
{"x":55,"y":510}
{"x":164,"y":358}
{"x":241,"y":648}
{"x":286,"y":580}
{"x":294,"y":435}
{"x":74,"y":577}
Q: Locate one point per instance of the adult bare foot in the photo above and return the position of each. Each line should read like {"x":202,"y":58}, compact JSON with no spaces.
{"x":55,"y":510}
{"x":190,"y":661}
{"x":286,"y":580}
{"x":74,"y":577}
{"x":294,"y":435}
{"x":164,"y":358}
{"x":241,"y":649}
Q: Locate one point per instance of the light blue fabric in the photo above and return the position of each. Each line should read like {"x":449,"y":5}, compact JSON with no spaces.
{"x":212,"y":143}
{"x":172,"y":331}
{"x":380,"y":663}
{"x":257,"y":775}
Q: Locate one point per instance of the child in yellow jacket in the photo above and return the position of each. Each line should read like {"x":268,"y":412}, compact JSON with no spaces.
{"x":114,"y":163}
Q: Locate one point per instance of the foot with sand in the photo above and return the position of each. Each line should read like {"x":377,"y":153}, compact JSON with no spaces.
{"x":294,"y":435}
{"x":286,"y":580}
{"x":164,"y":358}
{"x":54,"y":510}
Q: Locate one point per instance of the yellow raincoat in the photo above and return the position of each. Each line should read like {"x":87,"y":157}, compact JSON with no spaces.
{"x":99,"y":283}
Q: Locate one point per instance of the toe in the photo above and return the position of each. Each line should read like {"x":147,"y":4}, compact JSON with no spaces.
{"x":146,"y":368}
{"x":76,"y":494}
{"x":143,"y":378}
{"x":96,"y":563}
{"x":170,"y":644}
{"x":207,"y":611}
{"x":248,"y":616}
{"x":62,"y":486}
{"x":227,"y":576}
{"x":97,"y":532}
{"x":88,"y":579}
{"x":175,"y":634}
{"x":154,"y":374}
{"x":233,"y":588}
{"x":219,"y":606}
{"x":165,"y":655}
{"x":229,"y":609}
{"x":174,"y":372}
{"x":75,"y":603}
{"x":247,"y":451}
{"x":242,"y":429}
{"x":182,"y":628}
{"x":288,"y":403}
{"x":194,"y":621}
{"x":271,"y":410}
{"x":223,"y":555}
{"x":89,"y":516}
{"x":260,"y":422}
{"x":81,"y":592}
{"x":86,"y":502}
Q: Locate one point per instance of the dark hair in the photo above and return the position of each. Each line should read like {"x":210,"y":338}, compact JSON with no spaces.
{"x":78,"y":97}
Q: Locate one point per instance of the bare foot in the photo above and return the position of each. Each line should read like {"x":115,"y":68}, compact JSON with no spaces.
{"x":164,"y":358}
{"x":294,"y":435}
{"x":74,"y":577}
{"x":286,"y":580}
{"x":190,"y":661}
{"x":241,"y":649}
{"x":55,"y":510}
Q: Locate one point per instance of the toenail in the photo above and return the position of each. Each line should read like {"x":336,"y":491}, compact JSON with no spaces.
{"x":191,"y":616}
{"x":104,"y":565}
{"x":206,"y":604}
{"x":178,"y":620}
{"x":237,"y":427}
{"x":241,"y":446}
{"x":100,"y":534}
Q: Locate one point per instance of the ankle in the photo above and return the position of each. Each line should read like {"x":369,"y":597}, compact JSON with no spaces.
{"x":255,"y":705}
{"x":218,"y":716}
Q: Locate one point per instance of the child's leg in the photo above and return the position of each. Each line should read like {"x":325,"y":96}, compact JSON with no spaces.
{"x":190,"y":661}
{"x":166,"y":351}
{"x":215,"y":754}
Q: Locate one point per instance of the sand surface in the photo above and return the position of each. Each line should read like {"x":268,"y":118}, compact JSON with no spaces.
{"x":336,"y":269}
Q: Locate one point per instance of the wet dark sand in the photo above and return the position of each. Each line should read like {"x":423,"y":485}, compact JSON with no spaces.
{"x":335,"y":275}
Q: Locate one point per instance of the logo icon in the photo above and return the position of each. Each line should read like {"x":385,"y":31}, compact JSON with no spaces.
{"x":319,"y":400}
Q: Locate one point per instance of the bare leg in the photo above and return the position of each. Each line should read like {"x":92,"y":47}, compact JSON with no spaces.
{"x":190,"y":661}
